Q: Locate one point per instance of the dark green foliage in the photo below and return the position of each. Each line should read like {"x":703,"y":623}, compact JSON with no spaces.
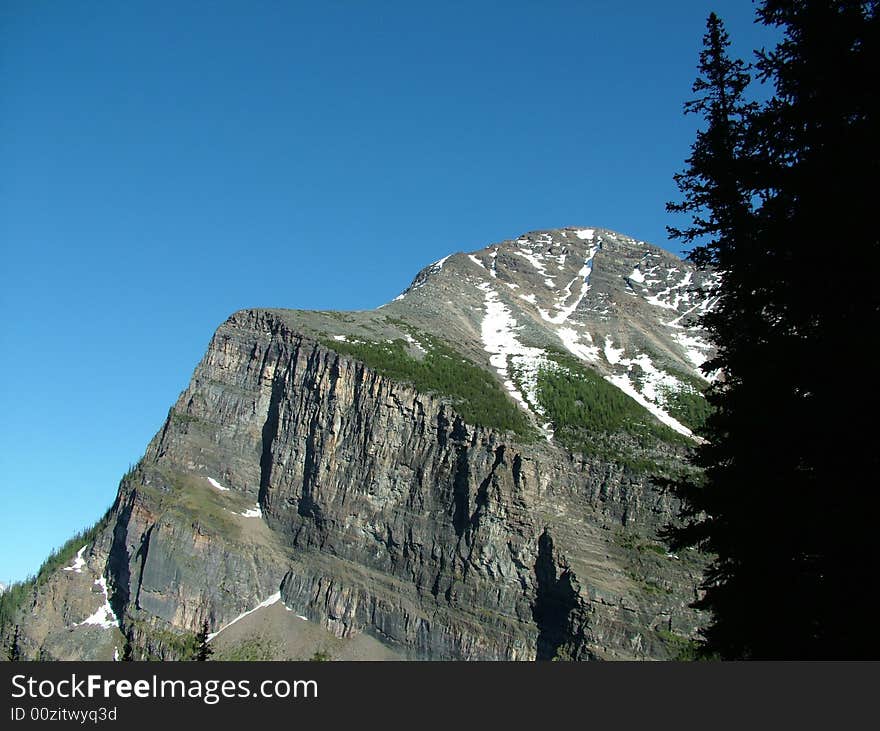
{"x":593,"y":417}
{"x":16,"y":596}
{"x":576,"y":397}
{"x":681,"y":649}
{"x":127,"y":651}
{"x":63,"y":556}
{"x":475,"y":394}
{"x":157,"y":644}
{"x":787,"y":504}
{"x":712,"y":184}
{"x":688,"y":406}
{"x":204,"y":651}
{"x":643,"y":547}
{"x":13,"y":654}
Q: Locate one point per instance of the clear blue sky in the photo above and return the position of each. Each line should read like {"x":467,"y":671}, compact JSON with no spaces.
{"x":163,"y":164}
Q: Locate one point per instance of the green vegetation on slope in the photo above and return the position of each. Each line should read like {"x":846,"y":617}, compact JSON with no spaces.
{"x":681,"y":649}
{"x":475,"y":394}
{"x":252,"y":649}
{"x":592,"y":416}
{"x":690,"y":408}
{"x":687,"y":404}
{"x":577,"y":399}
{"x":161,"y":644}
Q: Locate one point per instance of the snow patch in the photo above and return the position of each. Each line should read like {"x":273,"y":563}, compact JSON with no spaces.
{"x":500,"y":341}
{"x":571,"y":340}
{"x":276,"y":597}
{"x":217,"y":485}
{"x":536,"y":261}
{"x":612,"y":354}
{"x":438,"y":265}
{"x":655,"y":384}
{"x":565,"y":311}
{"x":585,"y":234}
{"x":623,"y":383}
{"x":506,"y":352}
{"x":674,"y":295}
{"x":254,"y":512}
{"x":104,"y":618}
{"x":412,"y":341}
{"x":694,"y":348}
{"x":78,"y":562}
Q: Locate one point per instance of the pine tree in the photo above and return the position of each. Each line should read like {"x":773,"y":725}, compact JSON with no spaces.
{"x":204,"y":651}
{"x":717,"y":198}
{"x":786,"y":460}
{"x":14,"y":652}
{"x":822,"y":160}
{"x":127,"y":651}
{"x":712,"y":183}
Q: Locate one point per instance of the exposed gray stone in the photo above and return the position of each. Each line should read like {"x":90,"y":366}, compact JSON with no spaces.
{"x":383,"y":512}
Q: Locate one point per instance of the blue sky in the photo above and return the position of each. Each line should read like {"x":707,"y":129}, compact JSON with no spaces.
{"x":163,"y":164}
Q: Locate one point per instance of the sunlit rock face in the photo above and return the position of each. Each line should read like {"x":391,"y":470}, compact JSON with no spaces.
{"x":343,"y":466}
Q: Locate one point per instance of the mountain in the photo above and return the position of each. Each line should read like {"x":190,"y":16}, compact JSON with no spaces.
{"x":466,"y":472}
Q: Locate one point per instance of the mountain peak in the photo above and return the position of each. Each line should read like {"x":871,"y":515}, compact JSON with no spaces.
{"x":628,"y":309}
{"x":625,"y":309}
{"x":383,"y":471}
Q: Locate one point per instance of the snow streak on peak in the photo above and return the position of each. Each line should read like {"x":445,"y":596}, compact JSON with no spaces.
{"x":586,"y":310}
{"x":537,"y":261}
{"x":438,"y":265}
{"x":497,"y":331}
{"x":571,"y":339}
{"x":564,"y":311}
{"x":476,"y":261}
{"x":423,"y":277}
{"x":623,"y":383}
{"x":637,"y":276}
{"x":654,"y":385}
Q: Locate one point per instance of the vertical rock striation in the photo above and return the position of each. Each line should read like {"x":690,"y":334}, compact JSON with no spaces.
{"x":374,"y":507}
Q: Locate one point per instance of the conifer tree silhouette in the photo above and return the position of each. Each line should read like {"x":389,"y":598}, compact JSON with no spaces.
{"x":13,"y":654}
{"x":778,"y":193}
{"x":204,"y":651}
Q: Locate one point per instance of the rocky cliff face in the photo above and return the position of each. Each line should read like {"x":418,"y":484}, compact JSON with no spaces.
{"x":308,"y":459}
